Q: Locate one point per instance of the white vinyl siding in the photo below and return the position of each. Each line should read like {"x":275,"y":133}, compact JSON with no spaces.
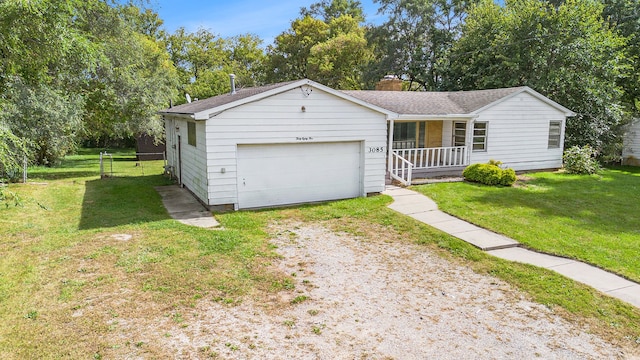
{"x":631,"y":149}
{"x":194,"y":164}
{"x":479,"y":139}
{"x":519,"y":134}
{"x":279,"y":119}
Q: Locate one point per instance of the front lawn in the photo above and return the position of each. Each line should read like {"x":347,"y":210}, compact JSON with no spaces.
{"x":595,"y":218}
{"x":86,"y":263}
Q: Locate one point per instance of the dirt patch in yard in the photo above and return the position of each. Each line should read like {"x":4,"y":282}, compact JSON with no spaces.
{"x":367,"y":298}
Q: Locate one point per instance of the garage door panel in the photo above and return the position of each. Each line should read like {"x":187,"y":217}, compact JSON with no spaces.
{"x":279,"y":174}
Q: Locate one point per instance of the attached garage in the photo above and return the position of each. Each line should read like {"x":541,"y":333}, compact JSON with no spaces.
{"x":280,"y":144}
{"x":278,"y":174}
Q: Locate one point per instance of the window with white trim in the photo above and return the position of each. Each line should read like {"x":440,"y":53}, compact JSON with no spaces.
{"x":404,"y":135}
{"x":479,"y":136}
{"x":459,"y":133}
{"x":555,"y":129}
{"x":191,"y":133}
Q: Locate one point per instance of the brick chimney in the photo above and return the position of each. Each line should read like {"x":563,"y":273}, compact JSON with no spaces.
{"x":389,"y":83}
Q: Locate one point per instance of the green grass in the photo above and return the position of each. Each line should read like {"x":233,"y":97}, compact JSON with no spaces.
{"x":595,"y":218}
{"x":61,"y":247}
{"x":69,"y":284}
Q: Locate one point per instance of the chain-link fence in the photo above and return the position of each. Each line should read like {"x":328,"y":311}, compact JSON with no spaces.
{"x":133,"y":164}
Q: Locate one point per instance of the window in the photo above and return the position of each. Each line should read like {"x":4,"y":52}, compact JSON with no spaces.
{"x":459,"y":133}
{"x":555,"y":127}
{"x":191,"y":133}
{"x":479,"y":136}
{"x":404,"y":135}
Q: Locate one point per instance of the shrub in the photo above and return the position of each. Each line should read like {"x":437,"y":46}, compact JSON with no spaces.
{"x":580,"y":160}
{"x":489,"y":174}
{"x":508,"y":177}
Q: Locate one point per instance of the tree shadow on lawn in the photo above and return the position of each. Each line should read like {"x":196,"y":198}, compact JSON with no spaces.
{"x":609,"y":203}
{"x":120,"y":201}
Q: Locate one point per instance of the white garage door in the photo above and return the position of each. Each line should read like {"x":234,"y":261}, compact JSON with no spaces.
{"x":278,"y":174}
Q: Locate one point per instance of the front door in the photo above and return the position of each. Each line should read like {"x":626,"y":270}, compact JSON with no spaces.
{"x":433,"y":136}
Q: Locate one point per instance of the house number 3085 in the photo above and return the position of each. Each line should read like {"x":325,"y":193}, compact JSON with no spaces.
{"x":376,"y":149}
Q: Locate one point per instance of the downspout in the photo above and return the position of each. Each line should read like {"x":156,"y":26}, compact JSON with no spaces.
{"x":469,"y":139}
{"x":390,"y":147}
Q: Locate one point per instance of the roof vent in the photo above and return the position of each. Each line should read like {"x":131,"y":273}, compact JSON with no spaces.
{"x":232,"y":77}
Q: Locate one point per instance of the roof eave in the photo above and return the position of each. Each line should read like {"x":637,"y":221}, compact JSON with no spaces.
{"x":427,"y":117}
{"x":177,"y":114}
{"x":209,"y":113}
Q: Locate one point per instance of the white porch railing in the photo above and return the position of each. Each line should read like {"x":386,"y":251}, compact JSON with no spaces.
{"x":430,"y":158}
{"x":404,"y":144}
{"x":401,"y":168}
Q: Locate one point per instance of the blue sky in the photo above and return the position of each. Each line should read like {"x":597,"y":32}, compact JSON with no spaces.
{"x":265,"y":18}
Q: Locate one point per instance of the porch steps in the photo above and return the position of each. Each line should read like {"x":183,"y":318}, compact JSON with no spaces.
{"x":425,"y":210}
{"x":436,"y":173}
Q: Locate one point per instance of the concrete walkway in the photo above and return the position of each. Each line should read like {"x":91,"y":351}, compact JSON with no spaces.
{"x":423,"y":209}
{"x":184,"y":207}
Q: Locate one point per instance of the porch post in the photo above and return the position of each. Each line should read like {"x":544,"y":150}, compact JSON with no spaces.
{"x":390,"y":147}
{"x":469,"y":139}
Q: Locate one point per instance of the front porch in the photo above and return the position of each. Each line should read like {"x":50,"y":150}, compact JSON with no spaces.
{"x":419,"y":163}
{"x":428,"y":149}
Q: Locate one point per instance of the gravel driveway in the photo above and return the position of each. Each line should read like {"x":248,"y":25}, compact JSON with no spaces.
{"x":358,"y":298}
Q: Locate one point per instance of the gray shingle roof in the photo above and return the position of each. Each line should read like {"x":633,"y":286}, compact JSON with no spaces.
{"x":213,"y":102}
{"x":400,"y":102}
{"x":432,"y":103}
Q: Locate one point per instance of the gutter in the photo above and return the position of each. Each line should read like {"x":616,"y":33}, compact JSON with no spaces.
{"x":421,"y":117}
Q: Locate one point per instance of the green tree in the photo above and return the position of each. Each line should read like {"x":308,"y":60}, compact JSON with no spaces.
{"x":49,"y":121}
{"x":204,"y":61}
{"x":12,"y":151}
{"x":134,"y":78}
{"x":123,"y":99}
{"x":340,"y":61}
{"x":332,"y":49}
{"x":44,"y":57}
{"x":103,"y":58}
{"x":624,"y":16}
{"x":414,"y":43}
{"x":566,"y":52}
{"x":40,"y":43}
{"x":288,"y":57}
{"x":247,"y":59}
{"x":328,"y":10}
{"x":144,"y":21}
